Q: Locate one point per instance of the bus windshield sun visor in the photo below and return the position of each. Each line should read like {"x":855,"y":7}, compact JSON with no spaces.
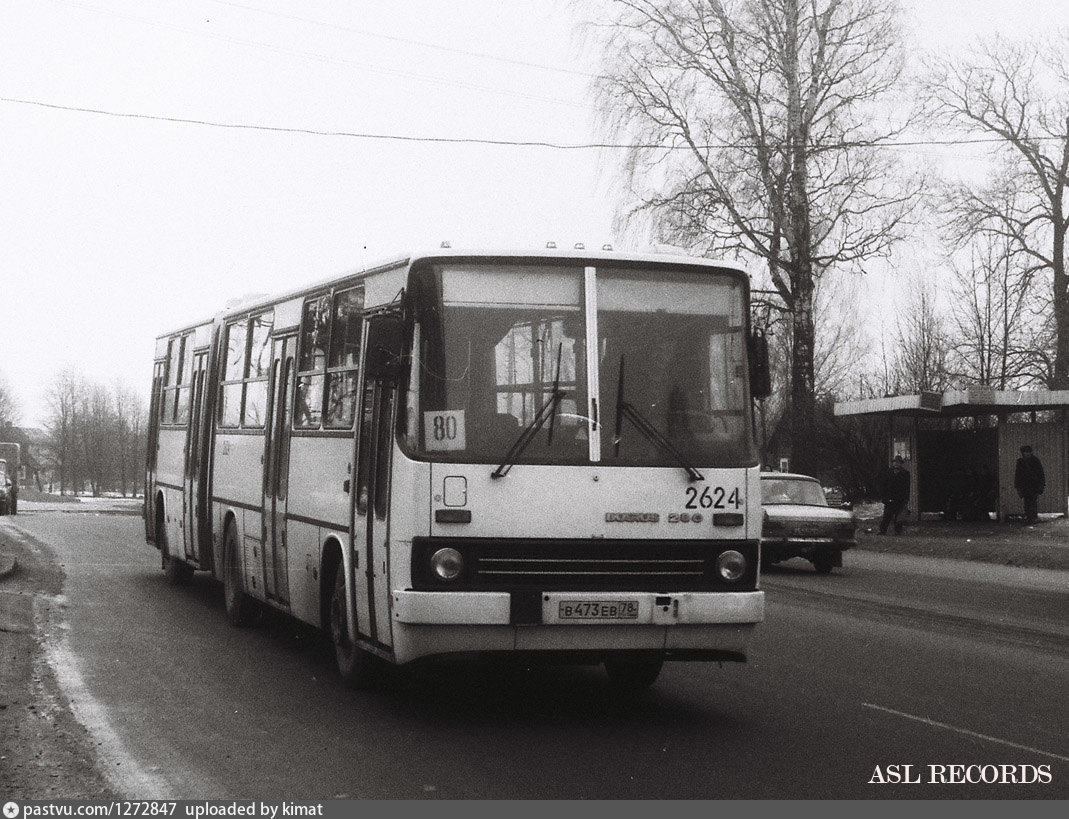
{"x":654,"y":435}
{"x":547,"y":413}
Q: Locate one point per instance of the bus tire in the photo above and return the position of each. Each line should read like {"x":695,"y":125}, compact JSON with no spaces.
{"x":633,"y":673}
{"x":177,"y":572}
{"x":241,"y":610}
{"x":356,"y":666}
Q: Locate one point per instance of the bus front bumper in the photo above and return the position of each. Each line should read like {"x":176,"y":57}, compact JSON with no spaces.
{"x":688,"y":623}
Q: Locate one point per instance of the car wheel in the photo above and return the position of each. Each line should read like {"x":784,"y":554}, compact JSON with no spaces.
{"x":824,"y":563}
{"x":633,"y":673}
{"x":356,"y":666}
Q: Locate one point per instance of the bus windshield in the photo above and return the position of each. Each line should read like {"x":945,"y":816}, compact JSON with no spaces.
{"x":502,"y":352}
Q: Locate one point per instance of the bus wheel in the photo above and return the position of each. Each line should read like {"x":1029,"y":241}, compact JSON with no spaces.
{"x":355,"y":665}
{"x":177,"y":572}
{"x":240,"y":608}
{"x":632,"y":673}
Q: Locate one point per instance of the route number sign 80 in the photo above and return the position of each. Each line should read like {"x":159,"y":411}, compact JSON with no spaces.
{"x":444,"y":431}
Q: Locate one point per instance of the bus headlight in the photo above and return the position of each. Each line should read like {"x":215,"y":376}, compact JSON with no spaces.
{"x":731,"y":565}
{"x":447,"y":563}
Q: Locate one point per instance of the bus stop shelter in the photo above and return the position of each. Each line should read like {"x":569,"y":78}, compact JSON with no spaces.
{"x":950,"y":461}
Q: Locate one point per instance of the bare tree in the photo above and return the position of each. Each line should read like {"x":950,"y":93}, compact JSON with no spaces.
{"x":919,"y":363}
{"x":95,"y":434}
{"x":756,"y":132}
{"x":129,"y":418}
{"x":841,"y":343}
{"x":64,"y":401}
{"x":97,"y":428}
{"x":1018,"y":94}
{"x":9,"y":408}
{"x":996,"y":338}
{"x":839,"y":349}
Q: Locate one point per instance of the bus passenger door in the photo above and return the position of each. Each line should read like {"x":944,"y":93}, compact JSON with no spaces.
{"x":192,"y":484}
{"x":276,"y":470}
{"x":371,"y":528}
{"x":152,"y":451}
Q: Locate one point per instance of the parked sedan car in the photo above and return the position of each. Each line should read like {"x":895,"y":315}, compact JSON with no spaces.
{"x":799,"y":523}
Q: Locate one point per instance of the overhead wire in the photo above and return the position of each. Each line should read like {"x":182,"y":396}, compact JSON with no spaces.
{"x":419,"y":77}
{"x":564,"y":146}
{"x":298,"y":130}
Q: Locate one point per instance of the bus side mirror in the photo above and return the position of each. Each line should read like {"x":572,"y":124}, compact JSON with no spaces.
{"x":385,"y":342}
{"x":760,"y":373}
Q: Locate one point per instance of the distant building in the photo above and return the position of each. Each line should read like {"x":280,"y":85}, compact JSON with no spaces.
{"x":30,"y":467}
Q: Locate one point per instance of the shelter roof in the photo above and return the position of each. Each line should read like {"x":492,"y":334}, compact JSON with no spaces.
{"x":958,"y":403}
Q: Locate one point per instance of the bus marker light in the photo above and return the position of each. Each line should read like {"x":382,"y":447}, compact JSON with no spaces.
{"x":731,"y":565}
{"x":447,"y":563}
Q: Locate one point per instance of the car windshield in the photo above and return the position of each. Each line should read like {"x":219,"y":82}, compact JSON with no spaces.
{"x":792,"y":490}
{"x":504,"y":352}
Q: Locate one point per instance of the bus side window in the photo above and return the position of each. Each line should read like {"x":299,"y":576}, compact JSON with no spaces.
{"x":230,"y":403}
{"x":174,"y":370}
{"x":257,"y":370}
{"x":312,"y":363}
{"x":344,"y":360}
{"x":185,"y":378}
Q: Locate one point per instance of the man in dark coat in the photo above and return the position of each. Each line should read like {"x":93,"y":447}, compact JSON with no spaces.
{"x":895,"y":496}
{"x":1029,"y":481}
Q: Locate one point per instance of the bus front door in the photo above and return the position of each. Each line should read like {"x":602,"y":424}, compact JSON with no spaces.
{"x":153,"y":450}
{"x":371,"y":522}
{"x":276,"y":470}
{"x":192,"y":484}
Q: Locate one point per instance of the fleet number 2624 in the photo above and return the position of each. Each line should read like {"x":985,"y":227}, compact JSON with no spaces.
{"x":713,"y":497}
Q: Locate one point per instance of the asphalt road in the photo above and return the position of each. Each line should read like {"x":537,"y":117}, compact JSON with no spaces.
{"x":891,"y":661}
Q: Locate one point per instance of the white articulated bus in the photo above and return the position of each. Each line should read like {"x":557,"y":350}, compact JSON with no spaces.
{"x":549,"y":453}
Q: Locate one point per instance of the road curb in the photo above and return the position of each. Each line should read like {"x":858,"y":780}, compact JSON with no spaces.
{"x":7,"y":565}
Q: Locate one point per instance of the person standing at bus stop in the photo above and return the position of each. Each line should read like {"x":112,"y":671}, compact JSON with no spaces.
{"x":1029,"y":481}
{"x":895,"y":496}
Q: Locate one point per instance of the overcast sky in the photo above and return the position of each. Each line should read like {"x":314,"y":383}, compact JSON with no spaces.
{"x":117,"y":227}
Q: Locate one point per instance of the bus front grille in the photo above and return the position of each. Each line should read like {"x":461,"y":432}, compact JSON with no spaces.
{"x":574,"y":565}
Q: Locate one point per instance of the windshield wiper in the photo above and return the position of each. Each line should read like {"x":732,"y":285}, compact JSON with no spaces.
{"x":555,"y":400}
{"x":624,"y":409}
{"x":547,"y":413}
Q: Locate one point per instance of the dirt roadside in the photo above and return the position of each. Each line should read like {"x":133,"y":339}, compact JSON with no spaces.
{"x":1044,"y":545}
{"x":46,"y":754}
